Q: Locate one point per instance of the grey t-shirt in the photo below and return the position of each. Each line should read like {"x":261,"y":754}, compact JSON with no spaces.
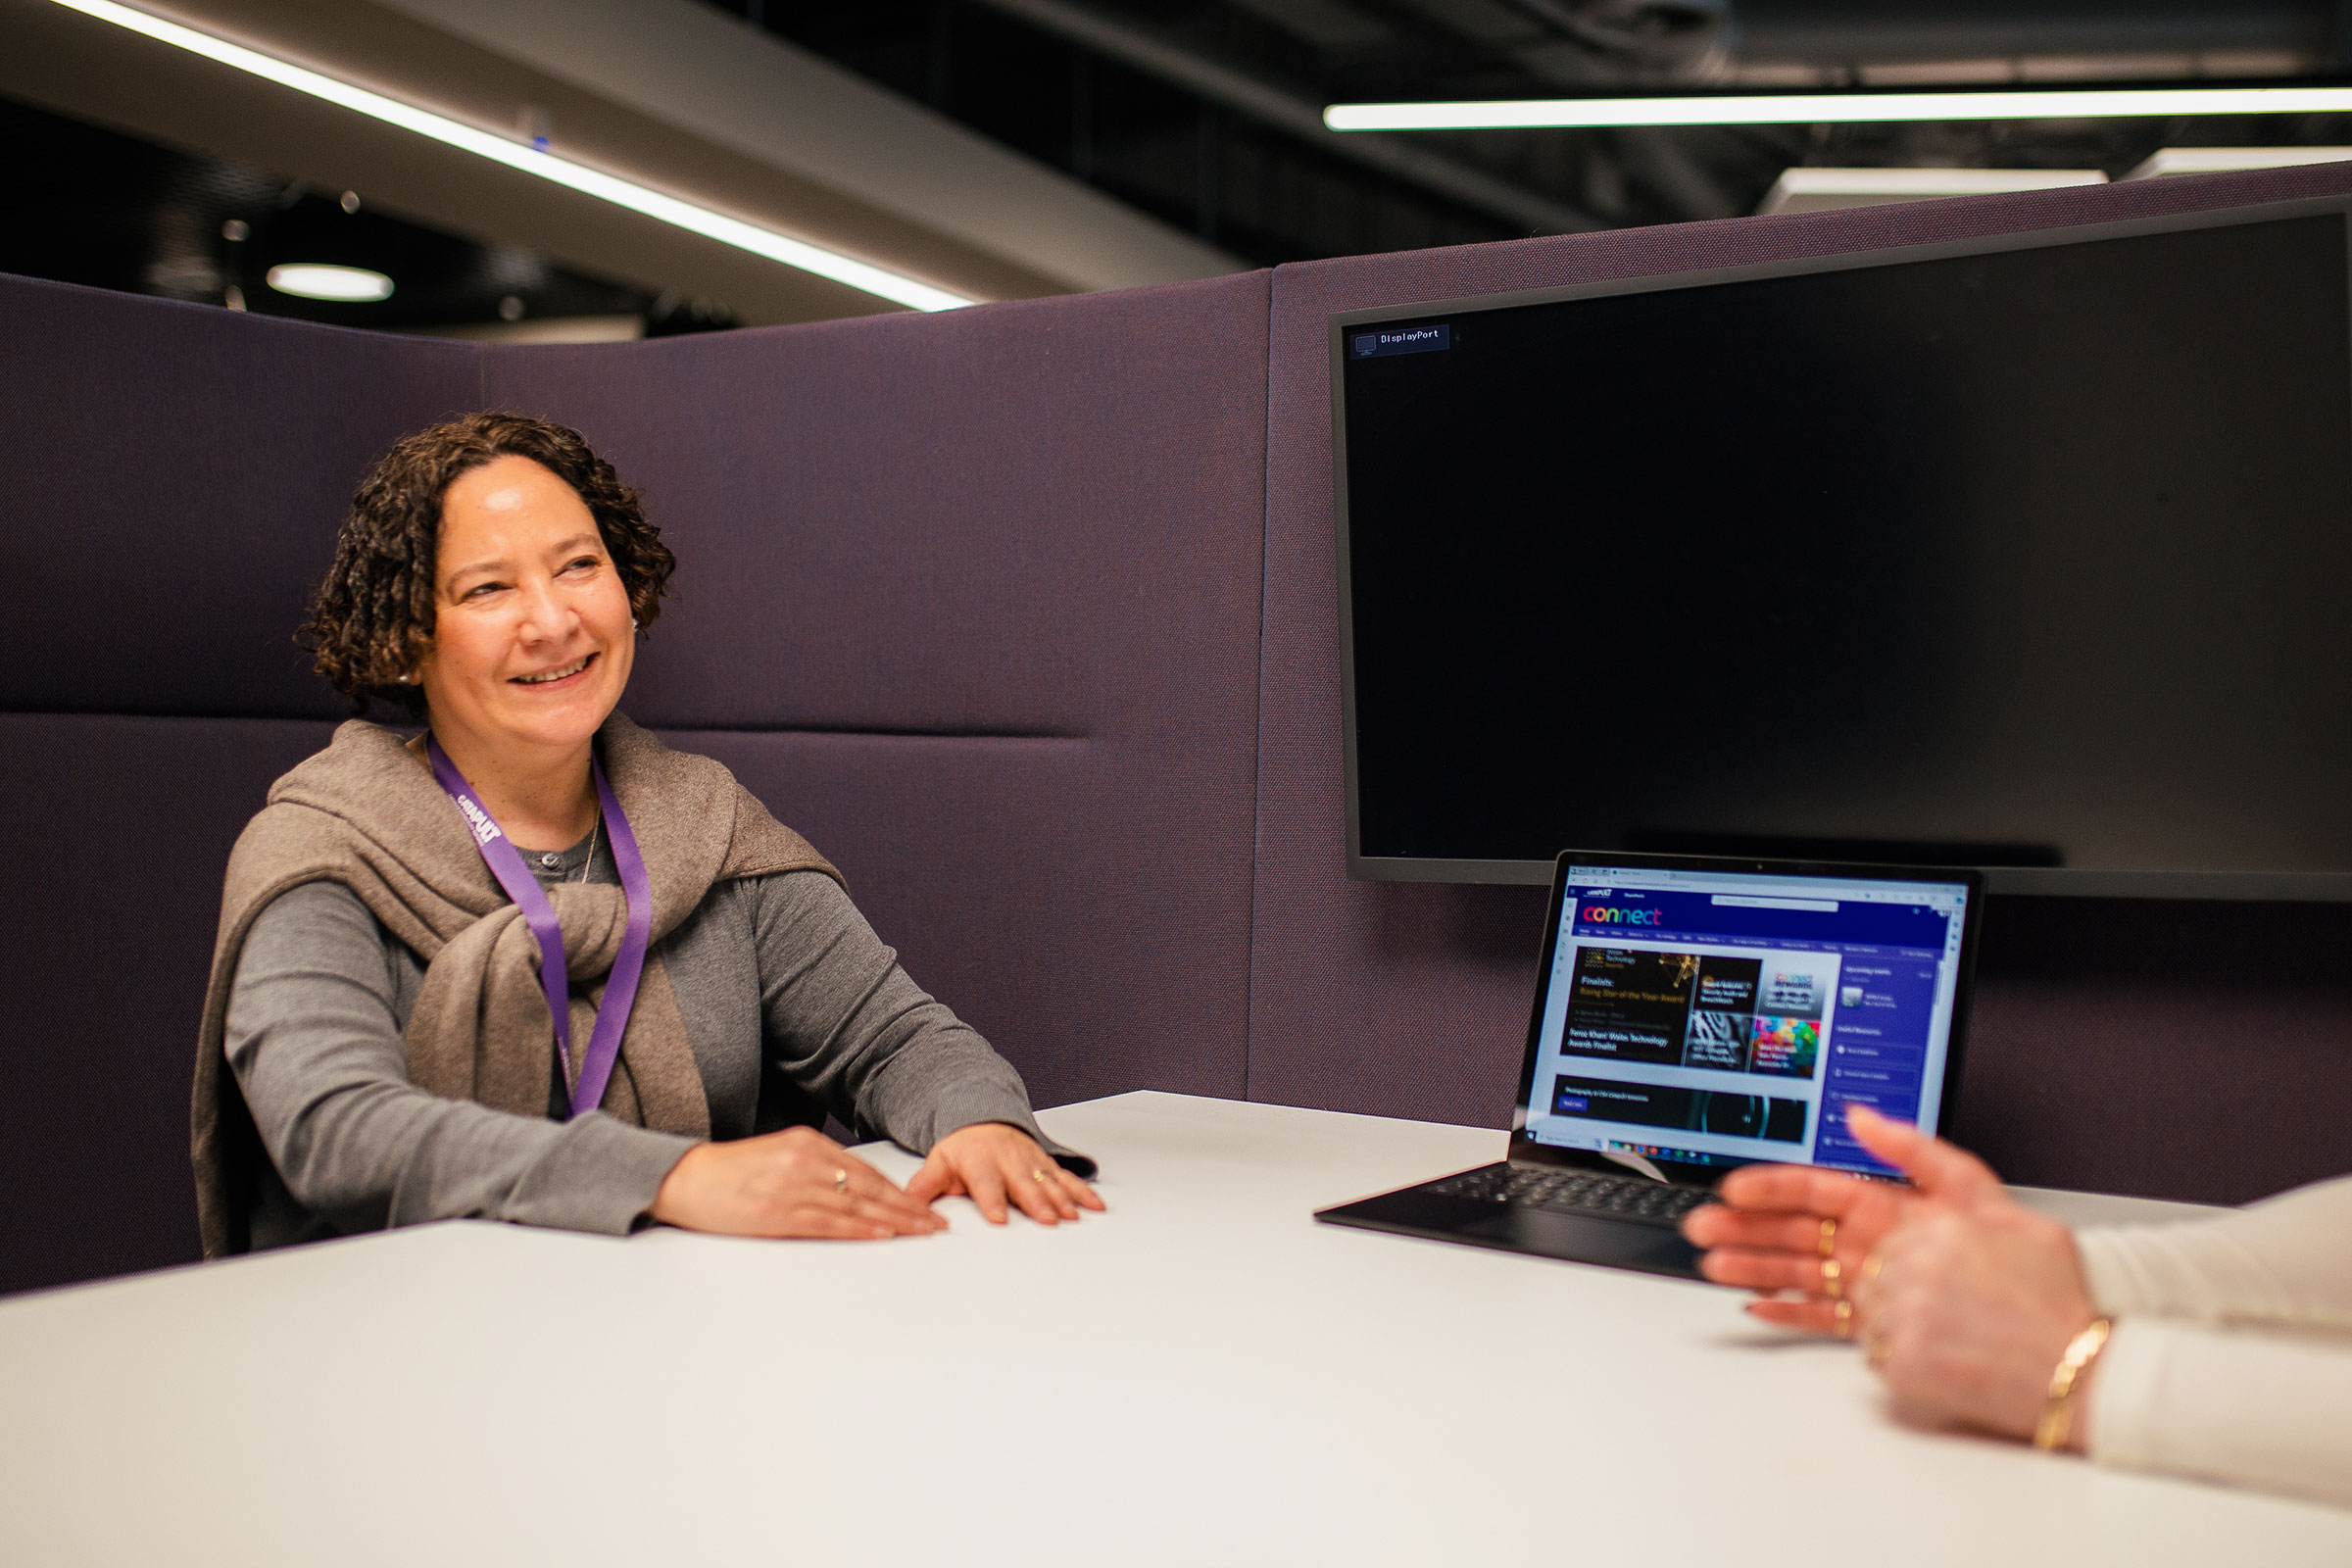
{"x":791,"y":1004}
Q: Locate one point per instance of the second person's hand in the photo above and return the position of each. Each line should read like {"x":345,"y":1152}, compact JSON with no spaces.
{"x":1973,"y":1300}
{"x":1774,"y":1228}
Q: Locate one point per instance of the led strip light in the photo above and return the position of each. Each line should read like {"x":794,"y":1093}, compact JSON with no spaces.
{"x":862,"y":275}
{"x":1841,"y":108}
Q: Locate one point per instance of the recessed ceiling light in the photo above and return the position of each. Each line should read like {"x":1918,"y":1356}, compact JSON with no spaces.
{"x":316,"y":280}
{"x":1841,"y":108}
{"x":879,"y":281}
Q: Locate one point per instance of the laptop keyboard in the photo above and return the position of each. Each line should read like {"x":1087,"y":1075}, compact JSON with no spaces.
{"x":1573,"y":1191}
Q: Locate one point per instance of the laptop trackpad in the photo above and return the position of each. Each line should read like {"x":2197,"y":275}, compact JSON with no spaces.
{"x":1651,"y":1249}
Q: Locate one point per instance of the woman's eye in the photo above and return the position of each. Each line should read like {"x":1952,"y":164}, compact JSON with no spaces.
{"x":481,"y":588}
{"x":585,"y":562}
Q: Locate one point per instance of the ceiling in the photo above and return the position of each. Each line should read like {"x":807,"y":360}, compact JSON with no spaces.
{"x":679,"y":97}
{"x":1206,"y":113}
{"x":95,"y":207}
{"x":1014,"y":146}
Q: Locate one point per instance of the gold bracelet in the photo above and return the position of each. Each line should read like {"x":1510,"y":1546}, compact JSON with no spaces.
{"x":2058,"y":1414}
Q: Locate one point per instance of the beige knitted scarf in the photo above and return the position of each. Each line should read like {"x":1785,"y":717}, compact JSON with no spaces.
{"x":366,"y":812}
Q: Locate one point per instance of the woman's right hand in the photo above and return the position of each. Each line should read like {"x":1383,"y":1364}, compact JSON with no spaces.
{"x":794,"y":1183}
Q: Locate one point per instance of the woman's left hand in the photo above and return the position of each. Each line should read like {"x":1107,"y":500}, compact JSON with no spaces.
{"x":991,"y":1163}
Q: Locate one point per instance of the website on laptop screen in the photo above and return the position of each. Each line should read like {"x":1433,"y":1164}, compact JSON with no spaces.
{"x":1720,"y":1017}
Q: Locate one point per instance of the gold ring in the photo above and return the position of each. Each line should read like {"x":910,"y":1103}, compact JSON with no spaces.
{"x":1829,"y":1237}
{"x":1041,"y":1174}
{"x":1844,"y":1313}
{"x":841,"y":1181}
{"x":1871,"y":1266}
{"x":1831,"y":1285}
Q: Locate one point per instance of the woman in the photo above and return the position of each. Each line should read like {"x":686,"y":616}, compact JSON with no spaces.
{"x":533,"y":965}
{"x":2213,"y":1348}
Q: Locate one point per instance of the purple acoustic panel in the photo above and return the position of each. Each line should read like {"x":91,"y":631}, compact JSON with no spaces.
{"x":115,"y":840}
{"x":2173,"y":1050}
{"x":1411,"y":999}
{"x":171,"y":477}
{"x":1093,"y":977}
{"x":972,"y":601}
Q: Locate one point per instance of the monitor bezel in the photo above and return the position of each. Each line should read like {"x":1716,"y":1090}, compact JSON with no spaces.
{"x":1525,"y":1151}
{"x":2305,"y":885}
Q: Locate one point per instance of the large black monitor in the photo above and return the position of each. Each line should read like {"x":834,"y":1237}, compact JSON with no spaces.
{"x":2032,"y":553}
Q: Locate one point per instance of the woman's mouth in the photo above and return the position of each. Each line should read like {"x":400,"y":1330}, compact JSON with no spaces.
{"x":555,"y":678}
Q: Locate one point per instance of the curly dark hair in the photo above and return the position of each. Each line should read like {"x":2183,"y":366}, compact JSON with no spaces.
{"x":372,"y":616}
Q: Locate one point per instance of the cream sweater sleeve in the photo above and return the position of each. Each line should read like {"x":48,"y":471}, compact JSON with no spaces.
{"x":2232,"y":1357}
{"x":2285,"y":1261}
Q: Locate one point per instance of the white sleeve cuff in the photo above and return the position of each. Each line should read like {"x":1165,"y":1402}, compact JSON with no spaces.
{"x":2241,"y":1406}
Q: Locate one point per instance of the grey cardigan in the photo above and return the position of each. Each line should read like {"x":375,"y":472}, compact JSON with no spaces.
{"x":791,"y":1004}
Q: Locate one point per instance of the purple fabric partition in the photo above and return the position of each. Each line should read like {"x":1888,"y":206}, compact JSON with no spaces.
{"x":972,"y":601}
{"x":117,"y":832}
{"x":171,"y":480}
{"x":2185,"y":1050}
{"x":1025,"y":614}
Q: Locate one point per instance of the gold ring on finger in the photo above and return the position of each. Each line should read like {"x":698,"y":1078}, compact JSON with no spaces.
{"x":1843,"y":1313}
{"x":1829,"y":1237}
{"x":1041,"y":1174}
{"x":1871,"y":1266}
{"x":1832,"y":1283}
{"x":841,"y":1182}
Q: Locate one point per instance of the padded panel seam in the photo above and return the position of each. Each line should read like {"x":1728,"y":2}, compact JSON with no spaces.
{"x":226,"y":716}
{"x":863,"y":732}
{"x":873,"y":732}
{"x":1257,"y":726}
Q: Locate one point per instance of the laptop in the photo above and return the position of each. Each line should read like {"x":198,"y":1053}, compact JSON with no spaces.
{"x":1694,"y":1014}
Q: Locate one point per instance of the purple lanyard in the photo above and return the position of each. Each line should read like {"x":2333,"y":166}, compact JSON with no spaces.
{"x":620,"y":986}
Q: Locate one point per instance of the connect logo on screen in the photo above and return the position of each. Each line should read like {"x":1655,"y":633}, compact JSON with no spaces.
{"x":1606,"y":914}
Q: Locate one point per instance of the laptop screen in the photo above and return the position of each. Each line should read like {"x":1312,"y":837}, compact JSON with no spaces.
{"x":1716,"y":1017}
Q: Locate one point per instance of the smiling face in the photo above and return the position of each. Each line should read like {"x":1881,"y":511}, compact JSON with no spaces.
{"x":531,"y":644}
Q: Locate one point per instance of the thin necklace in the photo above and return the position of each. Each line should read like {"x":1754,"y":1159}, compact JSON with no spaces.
{"x":591,"y":856}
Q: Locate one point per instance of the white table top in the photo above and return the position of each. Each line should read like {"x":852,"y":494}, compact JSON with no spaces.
{"x":1202,"y":1376}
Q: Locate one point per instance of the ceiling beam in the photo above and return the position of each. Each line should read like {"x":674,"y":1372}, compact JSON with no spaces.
{"x":688,"y":65}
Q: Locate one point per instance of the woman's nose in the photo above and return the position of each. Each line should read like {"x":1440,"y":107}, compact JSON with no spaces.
{"x":544,"y":613}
